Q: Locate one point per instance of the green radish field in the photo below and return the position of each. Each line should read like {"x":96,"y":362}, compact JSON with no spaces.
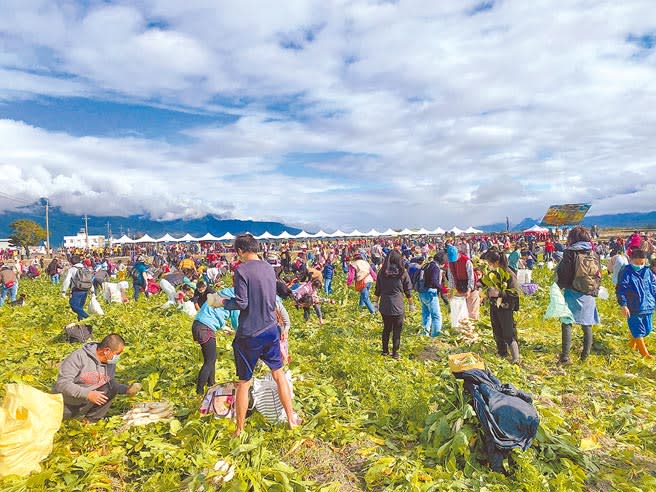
{"x":370,"y":423}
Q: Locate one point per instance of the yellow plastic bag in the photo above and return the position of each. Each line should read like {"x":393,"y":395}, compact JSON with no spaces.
{"x":29,"y":419}
{"x":465,"y":362}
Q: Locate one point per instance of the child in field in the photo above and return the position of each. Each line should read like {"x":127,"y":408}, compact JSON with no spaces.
{"x":305,"y":296}
{"x":636,"y":294}
{"x":328,"y":274}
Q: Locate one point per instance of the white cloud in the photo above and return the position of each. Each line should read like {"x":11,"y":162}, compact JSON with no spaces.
{"x":419,"y":114}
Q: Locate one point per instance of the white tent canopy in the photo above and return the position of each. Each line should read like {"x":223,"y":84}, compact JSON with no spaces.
{"x":284,"y":235}
{"x":123,"y":240}
{"x":373,"y":233}
{"x":456,"y":231}
{"x":472,"y":230}
{"x":337,"y":233}
{"x":187,"y":238}
{"x":320,"y":234}
{"x":226,"y":237}
{"x":302,"y":235}
{"x":389,"y":232}
{"x":208,"y":237}
{"x":439,"y":230}
{"x":145,"y":239}
{"x":406,"y":232}
{"x":422,"y":232}
{"x":537,"y":228}
{"x":166,"y":238}
{"x":355,"y":233}
{"x":266,"y":235}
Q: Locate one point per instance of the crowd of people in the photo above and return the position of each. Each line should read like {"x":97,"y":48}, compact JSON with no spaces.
{"x":391,"y":276}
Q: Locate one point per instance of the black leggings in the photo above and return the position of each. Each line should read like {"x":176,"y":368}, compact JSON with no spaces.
{"x":208,"y":369}
{"x":392,"y":325}
{"x":503,"y":327}
{"x":317,"y":310}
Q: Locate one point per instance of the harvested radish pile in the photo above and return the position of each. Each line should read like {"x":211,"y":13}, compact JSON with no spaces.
{"x":148,"y":413}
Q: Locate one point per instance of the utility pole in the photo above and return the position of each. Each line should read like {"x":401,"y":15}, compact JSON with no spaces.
{"x":86,"y":230}
{"x":47,"y":229}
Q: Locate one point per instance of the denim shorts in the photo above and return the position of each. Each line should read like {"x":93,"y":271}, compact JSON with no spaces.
{"x":248,"y":350}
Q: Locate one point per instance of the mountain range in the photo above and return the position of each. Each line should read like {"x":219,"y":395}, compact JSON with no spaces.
{"x":64,"y":224}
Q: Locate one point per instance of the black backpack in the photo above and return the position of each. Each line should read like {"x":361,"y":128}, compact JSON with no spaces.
{"x":418,"y":282}
{"x":78,"y":333}
{"x":82,"y":279}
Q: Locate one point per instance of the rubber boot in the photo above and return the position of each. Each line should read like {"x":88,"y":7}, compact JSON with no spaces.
{"x":566,"y":333}
{"x":642,"y":348}
{"x":632,"y":343}
{"x":514,"y":351}
{"x":587,"y":341}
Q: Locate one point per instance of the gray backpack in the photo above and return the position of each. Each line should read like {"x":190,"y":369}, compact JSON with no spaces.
{"x":82,"y":279}
{"x":587,"y":274}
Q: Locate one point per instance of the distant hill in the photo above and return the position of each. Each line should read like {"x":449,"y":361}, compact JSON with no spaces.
{"x":626,"y":220}
{"x":64,"y":224}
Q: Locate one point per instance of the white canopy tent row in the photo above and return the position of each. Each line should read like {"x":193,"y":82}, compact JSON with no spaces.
{"x":168,"y":238}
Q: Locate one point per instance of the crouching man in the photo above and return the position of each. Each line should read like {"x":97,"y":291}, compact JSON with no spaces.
{"x":86,"y":379}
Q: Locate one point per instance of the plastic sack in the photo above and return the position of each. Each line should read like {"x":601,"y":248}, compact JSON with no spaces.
{"x":603,"y":293}
{"x":266,"y":399}
{"x":95,"y":307}
{"x":557,"y":307}
{"x":550,"y":265}
{"x":189,"y":309}
{"x":459,"y":311}
{"x":466,"y":362}
{"x":524,"y":276}
{"x":29,"y":419}
{"x":530,"y":289}
{"x":112,"y":292}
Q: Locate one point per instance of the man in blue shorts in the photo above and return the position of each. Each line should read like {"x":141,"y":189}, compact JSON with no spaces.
{"x":258,"y":335}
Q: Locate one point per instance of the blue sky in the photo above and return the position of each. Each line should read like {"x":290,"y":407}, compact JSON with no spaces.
{"x":333,"y":115}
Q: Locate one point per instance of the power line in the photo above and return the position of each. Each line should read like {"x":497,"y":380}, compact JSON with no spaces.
{"x":16,"y":199}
